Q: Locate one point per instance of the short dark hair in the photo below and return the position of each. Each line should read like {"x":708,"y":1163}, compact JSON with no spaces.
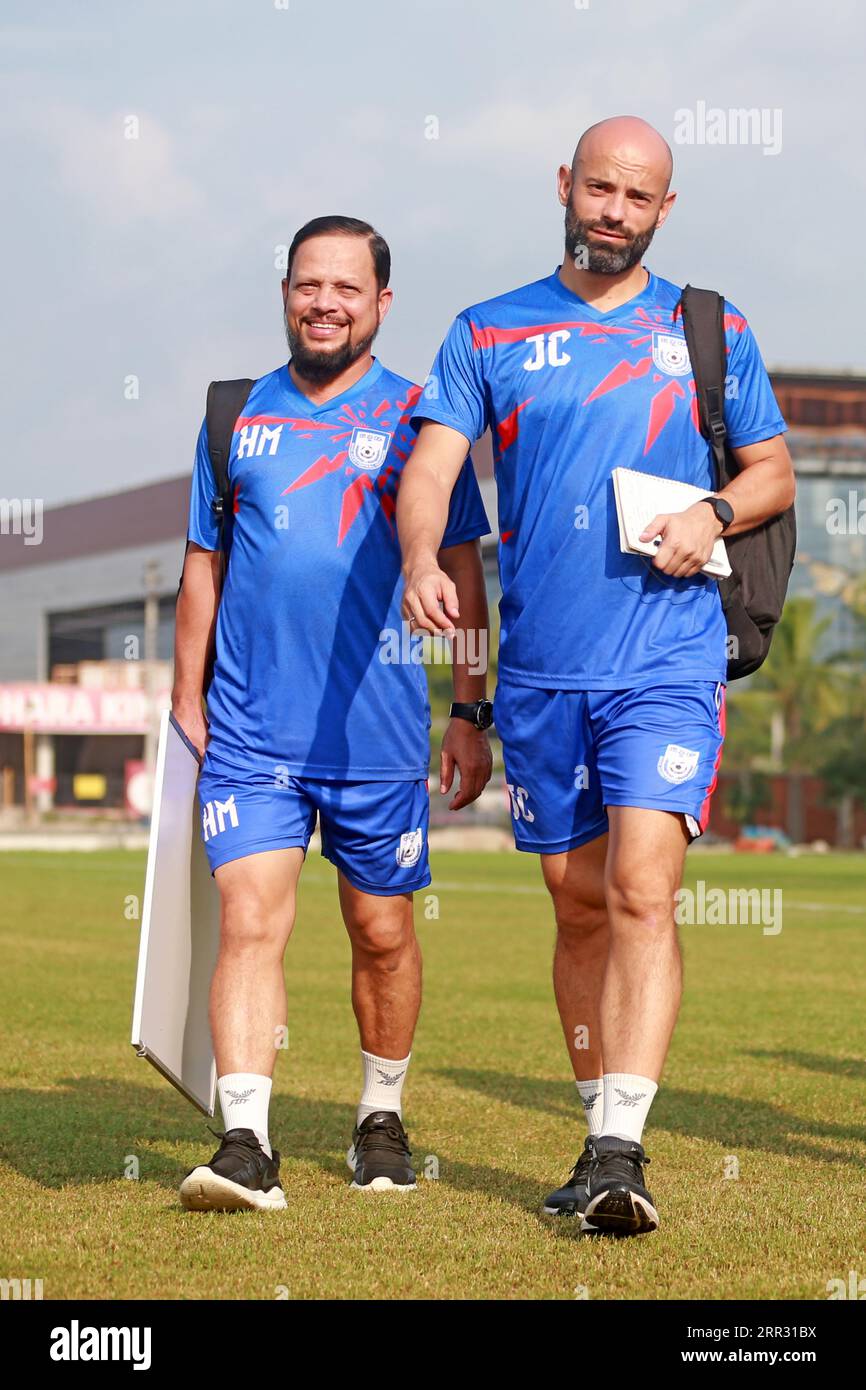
{"x":336,"y":225}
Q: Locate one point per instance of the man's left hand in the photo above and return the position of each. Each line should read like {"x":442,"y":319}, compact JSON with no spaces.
{"x":468,"y":750}
{"x":687,"y":539}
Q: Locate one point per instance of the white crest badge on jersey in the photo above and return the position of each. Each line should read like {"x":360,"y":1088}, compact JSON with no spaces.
{"x":670,"y":354}
{"x":678,"y":764}
{"x":368,"y":448}
{"x":409,"y":848}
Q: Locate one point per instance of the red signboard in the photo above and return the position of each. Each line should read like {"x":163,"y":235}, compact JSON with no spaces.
{"x":72,"y":709}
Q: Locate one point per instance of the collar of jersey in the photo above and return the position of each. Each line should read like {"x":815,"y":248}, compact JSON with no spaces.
{"x":361,"y":385}
{"x":647,"y":294}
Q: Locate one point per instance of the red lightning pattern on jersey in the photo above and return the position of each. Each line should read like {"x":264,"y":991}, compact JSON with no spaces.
{"x":360,"y":484}
{"x":509,"y":427}
{"x":639,"y":332}
{"x":623,"y":372}
{"x":488,"y":337}
{"x":661,"y":410}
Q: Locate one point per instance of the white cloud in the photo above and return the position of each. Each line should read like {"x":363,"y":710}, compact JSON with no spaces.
{"x":117,"y":178}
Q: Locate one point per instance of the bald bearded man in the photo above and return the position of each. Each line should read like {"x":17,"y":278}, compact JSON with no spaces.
{"x":610,"y":702}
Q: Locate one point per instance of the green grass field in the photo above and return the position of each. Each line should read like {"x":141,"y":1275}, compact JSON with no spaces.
{"x":767,"y":1067}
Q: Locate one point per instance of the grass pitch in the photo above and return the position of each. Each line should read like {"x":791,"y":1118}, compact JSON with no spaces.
{"x":766,"y":1079}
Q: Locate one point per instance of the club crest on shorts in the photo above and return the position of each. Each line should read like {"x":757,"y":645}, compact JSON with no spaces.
{"x":670,"y":354}
{"x":678,"y":764}
{"x":367,"y":448}
{"x":409,"y":848}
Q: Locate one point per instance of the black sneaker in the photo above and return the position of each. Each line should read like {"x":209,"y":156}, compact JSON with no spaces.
{"x":571,"y":1198}
{"x":618,"y":1200}
{"x":239,"y":1177}
{"x":380,"y":1154}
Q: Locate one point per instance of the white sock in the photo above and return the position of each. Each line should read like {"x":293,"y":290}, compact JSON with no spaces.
{"x":627,"y":1100}
{"x":244,"y":1099}
{"x":383,"y":1084}
{"x":592,"y":1096}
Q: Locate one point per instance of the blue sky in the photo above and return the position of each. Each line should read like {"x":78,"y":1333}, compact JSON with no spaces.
{"x":155,"y":257}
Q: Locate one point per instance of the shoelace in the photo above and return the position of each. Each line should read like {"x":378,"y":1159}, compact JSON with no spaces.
{"x":584,"y":1162}
{"x":369,"y":1139}
{"x":242,"y":1147}
{"x":608,"y":1160}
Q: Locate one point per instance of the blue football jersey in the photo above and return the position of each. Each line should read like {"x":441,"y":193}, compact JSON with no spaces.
{"x":569,"y":393}
{"x":304,"y":678}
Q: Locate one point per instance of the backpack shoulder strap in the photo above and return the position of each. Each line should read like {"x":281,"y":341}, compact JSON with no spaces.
{"x":703,"y":314}
{"x":225,"y":401}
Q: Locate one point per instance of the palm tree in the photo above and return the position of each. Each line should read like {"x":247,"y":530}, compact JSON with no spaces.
{"x":842,"y":760}
{"x":808,"y":694}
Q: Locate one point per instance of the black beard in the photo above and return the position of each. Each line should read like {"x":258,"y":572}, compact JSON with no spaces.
{"x":320,"y":365}
{"x":603,"y":260}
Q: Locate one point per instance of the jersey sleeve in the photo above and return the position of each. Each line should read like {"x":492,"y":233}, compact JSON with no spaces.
{"x":467,"y":519}
{"x":203,"y":526}
{"x":455,"y":392}
{"x":751,"y":410}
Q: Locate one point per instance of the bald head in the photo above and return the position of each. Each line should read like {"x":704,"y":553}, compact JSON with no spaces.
{"x":630,"y":142}
{"x":615,"y":194}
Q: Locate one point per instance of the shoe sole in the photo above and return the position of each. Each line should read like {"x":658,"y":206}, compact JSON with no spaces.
{"x":383,"y":1185}
{"x":205,"y":1190}
{"x":622,"y":1212}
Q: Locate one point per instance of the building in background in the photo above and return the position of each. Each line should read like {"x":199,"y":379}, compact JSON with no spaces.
{"x":827,"y":438}
{"x":87,"y":615}
{"x":86,"y":641}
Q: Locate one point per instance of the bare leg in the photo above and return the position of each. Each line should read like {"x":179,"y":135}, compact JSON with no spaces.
{"x":575,"y":881}
{"x":248,"y":991}
{"x":643,"y":980}
{"x":386,"y":969}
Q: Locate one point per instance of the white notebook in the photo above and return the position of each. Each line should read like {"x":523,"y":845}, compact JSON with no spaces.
{"x":641,"y":496}
{"x":180,"y":928}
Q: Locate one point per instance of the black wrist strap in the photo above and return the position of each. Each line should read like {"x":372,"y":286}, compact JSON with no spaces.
{"x":469,"y":712}
{"x":712,"y":502}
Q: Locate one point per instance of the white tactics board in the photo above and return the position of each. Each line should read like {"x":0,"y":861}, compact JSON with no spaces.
{"x":179,"y":929}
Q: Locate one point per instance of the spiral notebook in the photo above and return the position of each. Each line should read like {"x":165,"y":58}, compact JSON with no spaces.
{"x":641,"y":496}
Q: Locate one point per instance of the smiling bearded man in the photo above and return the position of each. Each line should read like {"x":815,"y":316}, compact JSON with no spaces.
{"x":304,"y":716}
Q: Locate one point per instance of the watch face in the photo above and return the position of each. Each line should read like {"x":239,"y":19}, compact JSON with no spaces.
{"x":724,"y":511}
{"x":484,"y":717}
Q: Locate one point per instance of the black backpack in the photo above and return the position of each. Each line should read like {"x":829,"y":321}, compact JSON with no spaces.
{"x":225,"y":401}
{"x":761,"y":559}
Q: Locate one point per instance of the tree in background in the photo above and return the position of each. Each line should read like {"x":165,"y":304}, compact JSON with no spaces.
{"x":749,"y":754}
{"x":807,"y":694}
{"x":842,"y":755}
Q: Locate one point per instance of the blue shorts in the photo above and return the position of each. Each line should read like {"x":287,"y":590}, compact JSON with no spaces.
{"x":374,"y":832}
{"x":571,"y":753}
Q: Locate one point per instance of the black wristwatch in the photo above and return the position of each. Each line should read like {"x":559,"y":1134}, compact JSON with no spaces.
{"x":480,"y":714}
{"x":723,"y":510}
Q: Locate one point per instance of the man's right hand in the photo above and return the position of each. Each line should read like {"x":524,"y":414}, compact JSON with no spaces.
{"x":190,"y":716}
{"x":430,"y":599}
